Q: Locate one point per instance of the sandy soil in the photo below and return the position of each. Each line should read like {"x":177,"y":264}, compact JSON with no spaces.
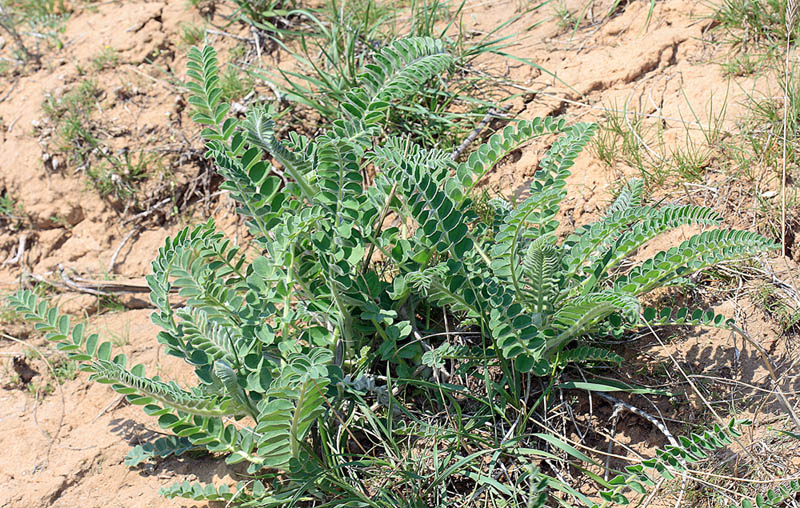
{"x":66,"y":448}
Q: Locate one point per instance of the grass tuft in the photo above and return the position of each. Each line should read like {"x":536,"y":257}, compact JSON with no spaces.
{"x":759,"y":22}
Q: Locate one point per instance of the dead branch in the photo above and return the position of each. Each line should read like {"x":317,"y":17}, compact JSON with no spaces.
{"x":492,"y":113}
{"x":113,"y":262}
{"x":17,"y":259}
{"x":11,"y":89}
{"x":93,"y":287}
{"x":660,"y":426}
{"x":147,"y":212}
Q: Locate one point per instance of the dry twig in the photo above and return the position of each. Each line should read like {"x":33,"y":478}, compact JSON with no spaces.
{"x":660,"y":426}
{"x":113,"y":261}
{"x":791,"y":11}
{"x":492,"y":113}
{"x":17,"y":259}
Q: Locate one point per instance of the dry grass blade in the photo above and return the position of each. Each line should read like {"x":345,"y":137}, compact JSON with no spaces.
{"x":791,"y":13}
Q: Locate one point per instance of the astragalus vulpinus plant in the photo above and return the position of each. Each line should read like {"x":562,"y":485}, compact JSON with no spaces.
{"x":362,"y":290}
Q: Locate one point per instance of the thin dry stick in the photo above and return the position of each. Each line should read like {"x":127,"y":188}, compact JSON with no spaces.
{"x":60,"y":391}
{"x":17,"y":259}
{"x":492,"y":113}
{"x":660,"y":426}
{"x":119,"y":248}
{"x":791,"y":10}
{"x":77,"y":287}
{"x":614,"y":418}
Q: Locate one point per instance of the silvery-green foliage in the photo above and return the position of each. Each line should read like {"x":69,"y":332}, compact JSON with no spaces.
{"x":333,"y":287}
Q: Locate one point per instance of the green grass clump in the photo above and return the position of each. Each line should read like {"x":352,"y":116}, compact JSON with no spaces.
{"x":119,"y":175}
{"x":11,"y":212}
{"x":345,"y":37}
{"x":36,"y":8}
{"x":191,"y":34}
{"x":106,"y":59}
{"x":764,"y":126}
{"x":744,"y":64}
{"x":110,"y":173}
{"x":235,"y":84}
{"x":71,"y":114}
{"x":267,"y":15}
{"x":781,"y":309}
{"x":768,"y":23}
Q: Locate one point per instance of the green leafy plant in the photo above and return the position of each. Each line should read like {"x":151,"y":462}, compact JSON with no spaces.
{"x":347,"y":282}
